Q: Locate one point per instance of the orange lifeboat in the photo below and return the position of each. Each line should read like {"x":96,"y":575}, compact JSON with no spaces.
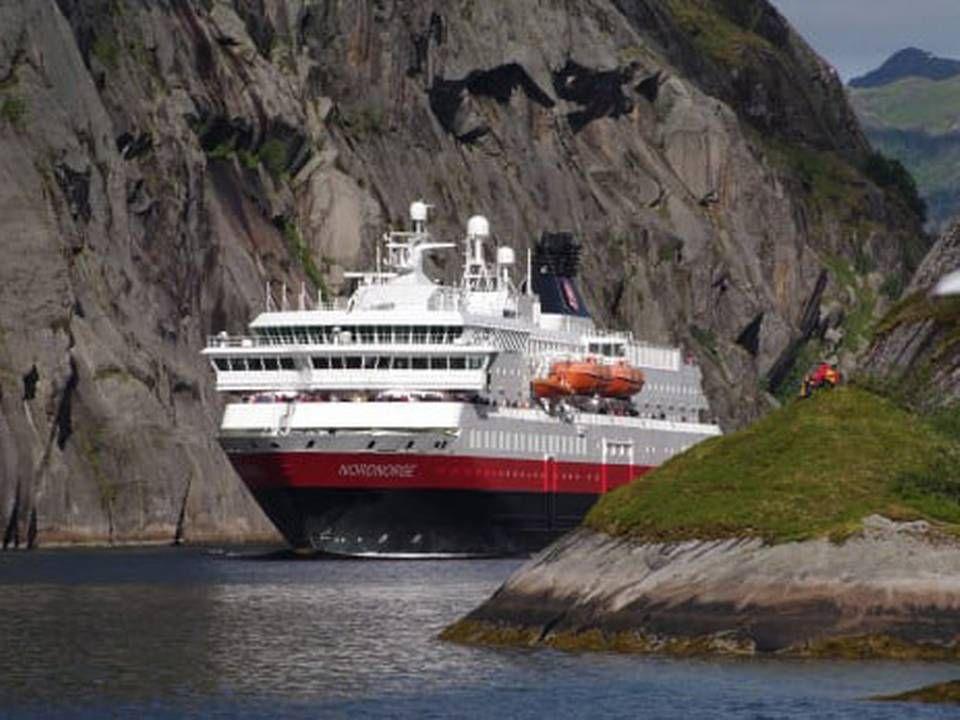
{"x":549,"y":387}
{"x":625,"y":381}
{"x":584,"y":377}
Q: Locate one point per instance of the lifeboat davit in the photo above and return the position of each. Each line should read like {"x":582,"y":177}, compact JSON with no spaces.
{"x":583,"y":377}
{"x":625,"y":381}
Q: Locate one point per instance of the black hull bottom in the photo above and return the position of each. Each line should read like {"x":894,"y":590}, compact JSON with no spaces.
{"x":421,"y":523}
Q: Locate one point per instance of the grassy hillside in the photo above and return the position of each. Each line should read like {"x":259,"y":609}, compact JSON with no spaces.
{"x":917,"y":121}
{"x":814,"y":468}
{"x":911,"y":104}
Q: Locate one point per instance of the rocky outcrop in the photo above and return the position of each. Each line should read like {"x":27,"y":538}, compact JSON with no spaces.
{"x":916,"y":353}
{"x":890,"y":591}
{"x":161,"y":162}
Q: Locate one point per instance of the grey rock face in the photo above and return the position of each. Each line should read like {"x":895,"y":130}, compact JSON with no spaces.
{"x":793,"y":597}
{"x":916,"y":353}
{"x":160,"y":162}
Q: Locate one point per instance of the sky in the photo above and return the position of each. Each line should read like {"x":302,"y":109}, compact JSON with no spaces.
{"x":856,"y":36}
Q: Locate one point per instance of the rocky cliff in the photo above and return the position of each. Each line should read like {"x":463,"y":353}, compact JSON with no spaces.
{"x":162,"y":161}
{"x":915,"y":355}
{"x":857,"y":599}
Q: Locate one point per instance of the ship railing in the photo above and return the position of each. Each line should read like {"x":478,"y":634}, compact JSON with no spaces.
{"x":583,"y":418}
{"x":262,"y":341}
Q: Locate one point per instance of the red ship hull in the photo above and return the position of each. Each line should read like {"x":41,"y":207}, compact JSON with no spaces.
{"x":420,"y":505}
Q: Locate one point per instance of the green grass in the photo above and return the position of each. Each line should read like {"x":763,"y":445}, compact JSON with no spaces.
{"x":715,"y":34}
{"x":813,"y":468}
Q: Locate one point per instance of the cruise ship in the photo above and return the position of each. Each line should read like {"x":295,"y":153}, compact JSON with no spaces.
{"x":421,"y":419}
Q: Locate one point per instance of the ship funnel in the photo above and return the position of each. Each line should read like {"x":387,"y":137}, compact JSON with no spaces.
{"x":505,"y":256}
{"x":478,"y":226}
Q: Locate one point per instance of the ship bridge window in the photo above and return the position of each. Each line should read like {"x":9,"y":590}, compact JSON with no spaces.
{"x":475,"y":362}
{"x":401,"y":363}
{"x":255,"y":363}
{"x":419,"y":334}
{"x":419,"y":363}
{"x":437,"y":334}
{"x":369,"y":362}
{"x":383,"y":362}
{"x":270,"y":363}
{"x":402,"y":335}
{"x":384,"y":334}
{"x":367,"y":334}
{"x":438,"y":363}
{"x":458,"y":363}
{"x":321,"y":363}
{"x":353,"y":362}
{"x":237,"y":364}
{"x":336,"y":363}
{"x":221,"y":363}
{"x":286,"y":363}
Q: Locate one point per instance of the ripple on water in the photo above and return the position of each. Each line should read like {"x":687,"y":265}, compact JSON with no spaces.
{"x":173,"y":632}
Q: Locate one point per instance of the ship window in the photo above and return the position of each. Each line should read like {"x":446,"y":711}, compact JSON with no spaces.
{"x":255,"y":363}
{"x":221,"y":363}
{"x":321,"y":363}
{"x":383,"y":363}
{"x":402,"y":334}
{"x":438,"y":363}
{"x":369,"y":362}
{"x":270,"y":363}
{"x":419,"y":334}
{"x":594,"y":348}
{"x":383,"y":333}
{"x":419,"y":363}
{"x":336,"y":363}
{"x":366,"y":334}
{"x":458,"y":363}
{"x":237,"y":364}
{"x":475,"y":363}
{"x":353,"y":362}
{"x":401,"y":363}
{"x":436,"y":334}
{"x":286,"y":363}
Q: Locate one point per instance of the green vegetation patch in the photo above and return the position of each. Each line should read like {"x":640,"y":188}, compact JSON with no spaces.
{"x":814,"y":468}
{"x":715,"y":34}
{"x":13,"y":109}
{"x":300,"y":251}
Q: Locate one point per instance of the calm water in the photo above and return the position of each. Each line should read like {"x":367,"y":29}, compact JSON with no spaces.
{"x":174,"y":633}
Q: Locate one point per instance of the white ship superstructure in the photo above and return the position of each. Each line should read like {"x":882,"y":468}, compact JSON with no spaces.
{"x":408,"y":420}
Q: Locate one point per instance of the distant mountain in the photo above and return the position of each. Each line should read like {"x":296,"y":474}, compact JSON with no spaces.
{"x":914,"y":117}
{"x":911,"y":62}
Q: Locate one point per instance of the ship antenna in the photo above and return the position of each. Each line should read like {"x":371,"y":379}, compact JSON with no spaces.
{"x":529,"y":272}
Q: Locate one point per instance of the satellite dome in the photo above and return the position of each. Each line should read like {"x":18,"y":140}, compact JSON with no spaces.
{"x":478,"y":226}
{"x":418,"y":211}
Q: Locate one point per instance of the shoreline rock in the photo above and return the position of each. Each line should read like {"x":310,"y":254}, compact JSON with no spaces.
{"x":892,"y":590}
